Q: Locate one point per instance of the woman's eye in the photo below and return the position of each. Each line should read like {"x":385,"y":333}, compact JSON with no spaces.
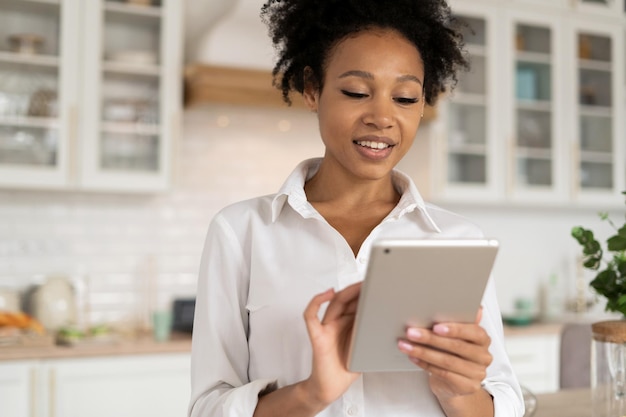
{"x":406,"y":100}
{"x":353,"y":95}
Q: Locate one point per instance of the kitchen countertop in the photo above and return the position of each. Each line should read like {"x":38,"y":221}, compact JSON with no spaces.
{"x":141,"y":345}
{"x":564,"y":403}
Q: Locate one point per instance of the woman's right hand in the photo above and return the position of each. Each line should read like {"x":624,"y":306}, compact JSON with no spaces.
{"x":330,"y":340}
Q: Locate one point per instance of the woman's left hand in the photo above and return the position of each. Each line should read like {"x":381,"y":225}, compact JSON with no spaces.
{"x":456,"y":356}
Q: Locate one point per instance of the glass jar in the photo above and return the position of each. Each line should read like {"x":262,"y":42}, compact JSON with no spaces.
{"x":608,"y":368}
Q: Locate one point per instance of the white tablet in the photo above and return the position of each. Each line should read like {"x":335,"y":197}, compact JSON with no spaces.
{"x":416,"y":283}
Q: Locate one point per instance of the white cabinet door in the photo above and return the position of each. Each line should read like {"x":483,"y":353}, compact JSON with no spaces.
{"x":535,"y":360}
{"x":18,"y":389}
{"x":38,"y":92}
{"x":536,"y":156}
{"x":132,"y":78}
{"x":143,"y":385}
{"x":468,"y":165}
{"x":97,"y":105}
{"x":597,"y":107}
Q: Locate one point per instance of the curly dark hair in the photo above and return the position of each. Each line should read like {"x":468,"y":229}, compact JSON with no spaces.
{"x":304,"y":33}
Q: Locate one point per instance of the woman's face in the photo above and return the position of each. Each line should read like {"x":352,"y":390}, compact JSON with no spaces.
{"x":371,"y":104}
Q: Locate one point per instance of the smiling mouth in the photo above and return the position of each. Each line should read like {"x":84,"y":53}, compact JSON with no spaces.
{"x":372,"y":144}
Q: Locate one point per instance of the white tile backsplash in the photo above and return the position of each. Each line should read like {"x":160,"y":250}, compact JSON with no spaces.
{"x":129,"y":253}
{"x":134,"y":252}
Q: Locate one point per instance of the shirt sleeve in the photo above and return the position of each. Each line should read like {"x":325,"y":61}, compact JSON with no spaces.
{"x":501,"y":381}
{"x":220,"y":385}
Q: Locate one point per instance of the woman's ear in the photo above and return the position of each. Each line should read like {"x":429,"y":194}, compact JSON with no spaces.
{"x":311,"y":90}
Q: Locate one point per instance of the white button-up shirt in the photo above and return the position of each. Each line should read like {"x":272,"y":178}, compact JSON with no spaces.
{"x":263,"y":261}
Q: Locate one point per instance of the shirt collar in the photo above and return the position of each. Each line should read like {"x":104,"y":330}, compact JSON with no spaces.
{"x":292,"y":191}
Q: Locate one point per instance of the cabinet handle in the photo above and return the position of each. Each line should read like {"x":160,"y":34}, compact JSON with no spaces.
{"x":72,"y":121}
{"x":52,"y":393}
{"x":33,"y":392}
{"x":510,"y":177}
{"x":575,"y":170}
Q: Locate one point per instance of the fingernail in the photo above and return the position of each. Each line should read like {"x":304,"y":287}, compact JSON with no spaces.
{"x":441,"y":329}
{"x":405,"y":346}
{"x":413,"y":333}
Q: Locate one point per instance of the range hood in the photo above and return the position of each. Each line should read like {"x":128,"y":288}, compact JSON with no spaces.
{"x":233,"y":62}
{"x":234,"y":57}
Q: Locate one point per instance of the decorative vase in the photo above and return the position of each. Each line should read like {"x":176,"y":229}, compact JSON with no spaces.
{"x":608,"y":368}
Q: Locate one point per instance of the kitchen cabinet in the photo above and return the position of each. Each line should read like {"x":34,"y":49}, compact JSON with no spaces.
{"x":535,"y":360}
{"x":155,"y":385}
{"x":89,"y":94}
{"x":537,"y":120}
{"x":18,"y":388}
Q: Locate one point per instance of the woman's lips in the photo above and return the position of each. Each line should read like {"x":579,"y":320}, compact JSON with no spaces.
{"x":374,"y":148}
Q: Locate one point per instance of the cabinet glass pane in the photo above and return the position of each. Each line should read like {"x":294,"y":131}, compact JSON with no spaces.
{"x":464,"y":168}
{"x":534,"y":107}
{"x":28,"y":146}
{"x":29,"y":82}
{"x":467,"y":140}
{"x":596,"y":175}
{"x":131,"y":86}
{"x":595,"y":91}
{"x":129,"y":152}
{"x":534,"y":171}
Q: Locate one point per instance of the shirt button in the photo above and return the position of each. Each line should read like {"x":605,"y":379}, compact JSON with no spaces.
{"x":352,"y":411}
{"x":363,"y":260}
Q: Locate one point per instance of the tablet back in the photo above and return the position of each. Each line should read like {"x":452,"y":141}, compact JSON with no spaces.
{"x":416,"y":283}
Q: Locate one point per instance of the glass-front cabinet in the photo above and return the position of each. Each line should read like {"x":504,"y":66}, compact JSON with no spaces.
{"x":469,"y":150}
{"x":535,"y":157}
{"x":89,"y":93}
{"x":37,"y":97}
{"x":599,"y":110}
{"x":539,"y":119}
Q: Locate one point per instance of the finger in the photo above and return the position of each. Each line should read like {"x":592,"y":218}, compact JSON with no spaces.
{"x":468,"y":350}
{"x":427,"y":357}
{"x":342,"y":302}
{"x":470,"y":332}
{"x":312,"y":309}
{"x":461,"y":384}
{"x":479,"y":315}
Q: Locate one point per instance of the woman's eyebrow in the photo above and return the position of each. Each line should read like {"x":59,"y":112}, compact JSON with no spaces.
{"x":369,"y":76}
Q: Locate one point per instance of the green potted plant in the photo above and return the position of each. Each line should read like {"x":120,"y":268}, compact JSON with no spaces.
{"x":610,"y":263}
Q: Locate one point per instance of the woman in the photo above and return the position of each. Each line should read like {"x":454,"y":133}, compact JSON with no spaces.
{"x":366,"y":67}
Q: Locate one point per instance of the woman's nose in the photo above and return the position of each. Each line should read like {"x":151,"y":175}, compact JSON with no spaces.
{"x":379,"y":114}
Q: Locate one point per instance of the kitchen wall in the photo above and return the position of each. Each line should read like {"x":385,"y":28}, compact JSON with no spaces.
{"x":130,"y":253}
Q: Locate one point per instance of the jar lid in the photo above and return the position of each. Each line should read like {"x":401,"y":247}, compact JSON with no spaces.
{"x":612,"y":331}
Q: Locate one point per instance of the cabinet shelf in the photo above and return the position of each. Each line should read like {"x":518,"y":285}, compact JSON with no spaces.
{"x":468,"y":99}
{"x":131,"y":69}
{"x":596,"y":111}
{"x":596,"y":157}
{"x":533,"y":57}
{"x":476,"y":50}
{"x":543,"y":106}
{"x":141,"y":129}
{"x":133,"y":9}
{"x":39,"y":60}
{"x":534,"y":153}
{"x":468,"y":149}
{"x":36,"y":122}
{"x":595,"y":65}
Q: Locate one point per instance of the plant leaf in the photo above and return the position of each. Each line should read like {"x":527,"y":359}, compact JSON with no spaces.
{"x":616,"y":243}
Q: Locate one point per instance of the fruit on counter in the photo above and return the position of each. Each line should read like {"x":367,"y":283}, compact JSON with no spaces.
{"x":20,"y":320}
